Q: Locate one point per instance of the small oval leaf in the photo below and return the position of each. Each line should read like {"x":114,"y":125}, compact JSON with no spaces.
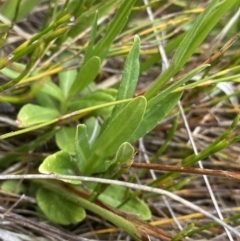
{"x":124,"y":154}
{"x":58,"y":209}
{"x":34,"y":114}
{"x":60,"y":163}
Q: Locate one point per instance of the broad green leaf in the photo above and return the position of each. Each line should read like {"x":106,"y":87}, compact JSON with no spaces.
{"x":195,"y":36}
{"x":34,"y":114}
{"x":12,"y":186}
{"x":58,"y":209}
{"x":66,"y":80}
{"x":82,"y":147}
{"x":86,"y":75}
{"x":130,"y":76}
{"x":53,"y":90}
{"x":119,"y":130}
{"x":121,"y":127}
{"x":155,"y":112}
{"x":59,"y":163}
{"x":115,"y":195}
{"x":65,"y":139}
{"x":116,"y":25}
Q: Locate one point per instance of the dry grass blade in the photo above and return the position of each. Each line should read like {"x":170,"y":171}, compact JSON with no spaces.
{"x":225,"y":47}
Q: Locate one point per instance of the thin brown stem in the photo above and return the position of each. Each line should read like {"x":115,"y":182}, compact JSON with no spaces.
{"x":190,"y":170}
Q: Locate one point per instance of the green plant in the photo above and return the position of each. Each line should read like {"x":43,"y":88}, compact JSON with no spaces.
{"x":112,"y":119}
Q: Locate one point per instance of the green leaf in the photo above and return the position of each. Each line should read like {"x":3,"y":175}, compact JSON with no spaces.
{"x":34,"y":114}
{"x":65,"y":139}
{"x":130,"y":76}
{"x":115,"y":195}
{"x":53,"y":90}
{"x":124,"y":154}
{"x":82,"y":147}
{"x":46,"y":100}
{"x":58,"y":209}
{"x":66,"y":80}
{"x":119,"y":130}
{"x":59,"y":163}
{"x":86,"y":75}
{"x":155,"y":112}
